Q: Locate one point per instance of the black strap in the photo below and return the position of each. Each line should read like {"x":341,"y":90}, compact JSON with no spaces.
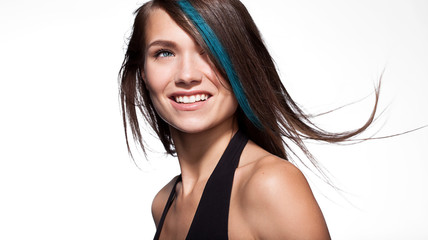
{"x":212,"y":214}
{"x":167,"y":206}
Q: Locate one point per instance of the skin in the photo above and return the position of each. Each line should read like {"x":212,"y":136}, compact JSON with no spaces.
{"x":270,"y":199}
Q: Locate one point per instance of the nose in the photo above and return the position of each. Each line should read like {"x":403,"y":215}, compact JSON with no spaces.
{"x":189,"y":70}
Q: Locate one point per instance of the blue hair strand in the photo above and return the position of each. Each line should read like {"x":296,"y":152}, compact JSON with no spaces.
{"x":222,"y":57}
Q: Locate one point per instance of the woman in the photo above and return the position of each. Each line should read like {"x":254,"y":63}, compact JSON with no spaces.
{"x":200,"y":74}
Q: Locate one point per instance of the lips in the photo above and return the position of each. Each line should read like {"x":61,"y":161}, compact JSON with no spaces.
{"x":190,"y":97}
{"x":189,"y":101}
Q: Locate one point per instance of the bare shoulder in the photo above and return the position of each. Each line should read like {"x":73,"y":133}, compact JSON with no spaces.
{"x":273,"y":175}
{"x":278,"y":202}
{"x":160,"y":200}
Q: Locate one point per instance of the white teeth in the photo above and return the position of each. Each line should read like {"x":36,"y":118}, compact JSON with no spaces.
{"x":192,"y":98}
{"x":185,"y":99}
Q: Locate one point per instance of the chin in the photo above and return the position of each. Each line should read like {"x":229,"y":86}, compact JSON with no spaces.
{"x":190,"y":127}
{"x":192,"y":122}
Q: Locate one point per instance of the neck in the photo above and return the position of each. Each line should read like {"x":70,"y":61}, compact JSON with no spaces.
{"x":199,"y":153}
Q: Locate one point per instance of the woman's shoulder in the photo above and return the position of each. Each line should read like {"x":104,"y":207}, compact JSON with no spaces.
{"x":159,"y":201}
{"x":262,"y":170}
{"x":271,"y":173}
{"x":278,"y":203}
{"x":271,"y":177}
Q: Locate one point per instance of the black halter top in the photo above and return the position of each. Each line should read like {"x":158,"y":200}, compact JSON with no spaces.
{"x":212,"y":214}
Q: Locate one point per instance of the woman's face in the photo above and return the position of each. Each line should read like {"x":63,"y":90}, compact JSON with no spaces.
{"x":185,"y":90}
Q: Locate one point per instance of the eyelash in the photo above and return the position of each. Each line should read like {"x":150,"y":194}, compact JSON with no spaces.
{"x":162,"y":51}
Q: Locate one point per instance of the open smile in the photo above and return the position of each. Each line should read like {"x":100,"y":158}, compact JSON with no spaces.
{"x":191,"y":98}
{"x":189,"y":101}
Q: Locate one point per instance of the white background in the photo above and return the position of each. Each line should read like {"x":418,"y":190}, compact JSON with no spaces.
{"x":64,"y":169}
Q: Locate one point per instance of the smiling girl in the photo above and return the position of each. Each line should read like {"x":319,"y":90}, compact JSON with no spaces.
{"x":202,"y":77}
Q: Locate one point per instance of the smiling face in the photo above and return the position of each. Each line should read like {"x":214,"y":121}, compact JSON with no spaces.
{"x":185,"y":90}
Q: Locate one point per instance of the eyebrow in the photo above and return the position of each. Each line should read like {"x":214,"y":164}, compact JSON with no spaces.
{"x":162,"y":43}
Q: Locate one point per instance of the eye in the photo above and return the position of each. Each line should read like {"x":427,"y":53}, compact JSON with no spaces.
{"x":163,"y":53}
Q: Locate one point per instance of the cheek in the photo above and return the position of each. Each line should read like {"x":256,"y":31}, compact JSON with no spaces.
{"x":232,"y":103}
{"x":156,"y":82}
{"x":155,"y":89}
{"x":220,"y":82}
{"x":156,"y":79}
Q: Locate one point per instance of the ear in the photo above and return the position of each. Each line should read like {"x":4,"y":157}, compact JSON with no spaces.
{"x":143,"y":75}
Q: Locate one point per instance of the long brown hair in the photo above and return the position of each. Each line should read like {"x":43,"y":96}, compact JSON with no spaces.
{"x":283,"y":121}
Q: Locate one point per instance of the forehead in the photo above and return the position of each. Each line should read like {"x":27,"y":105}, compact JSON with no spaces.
{"x":160,"y":26}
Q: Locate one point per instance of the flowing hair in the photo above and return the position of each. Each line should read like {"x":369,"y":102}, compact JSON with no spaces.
{"x":267,"y":113}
